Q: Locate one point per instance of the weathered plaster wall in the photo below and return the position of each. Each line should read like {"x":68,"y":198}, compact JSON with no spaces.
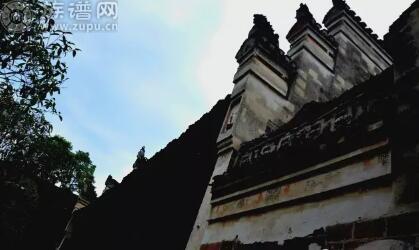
{"x":358,"y":57}
{"x":302,"y":220}
{"x":266,"y":70}
{"x":286,"y":189}
{"x":258,"y":97}
{"x":322,"y":73}
{"x":314,"y":58}
{"x":353,"y":65}
{"x":327,"y":66}
{"x":259,"y":104}
{"x":371,"y":207}
{"x":201,"y":222}
{"x":313,"y":80}
{"x":285,"y":211}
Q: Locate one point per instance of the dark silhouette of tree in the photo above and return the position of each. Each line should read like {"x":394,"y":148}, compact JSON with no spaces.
{"x":58,"y":164}
{"x":32,"y":72}
{"x":88,"y":192}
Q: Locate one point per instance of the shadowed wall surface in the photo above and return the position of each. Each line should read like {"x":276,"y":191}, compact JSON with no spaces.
{"x":134,"y":215}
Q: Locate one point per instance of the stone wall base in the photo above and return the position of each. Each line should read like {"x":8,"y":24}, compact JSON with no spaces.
{"x":387,"y":233}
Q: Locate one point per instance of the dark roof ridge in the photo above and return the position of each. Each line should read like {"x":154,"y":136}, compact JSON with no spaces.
{"x":263,"y":37}
{"x":397,"y":24}
{"x":305,"y":18}
{"x":341,"y":5}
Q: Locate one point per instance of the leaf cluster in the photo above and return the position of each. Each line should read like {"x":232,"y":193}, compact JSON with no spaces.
{"x":32,"y":72}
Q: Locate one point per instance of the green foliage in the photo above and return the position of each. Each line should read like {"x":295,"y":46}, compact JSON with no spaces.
{"x":31,"y":61}
{"x":58,"y":164}
{"x":32,"y":71}
{"x":53,"y":160}
{"x":19,"y":129}
{"x":84,"y":175}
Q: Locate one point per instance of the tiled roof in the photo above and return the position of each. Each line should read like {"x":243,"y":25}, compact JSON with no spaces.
{"x":305,"y":19}
{"x":340,"y":6}
{"x":263,"y":36}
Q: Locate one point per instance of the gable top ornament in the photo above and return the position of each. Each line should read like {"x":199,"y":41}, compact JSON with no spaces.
{"x":262,"y":37}
{"x":341,"y":5}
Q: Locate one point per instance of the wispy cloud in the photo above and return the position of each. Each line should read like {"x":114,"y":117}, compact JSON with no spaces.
{"x":167,"y":64}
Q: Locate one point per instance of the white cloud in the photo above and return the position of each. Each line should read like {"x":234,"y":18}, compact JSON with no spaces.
{"x":216,"y":64}
{"x":211,"y":68}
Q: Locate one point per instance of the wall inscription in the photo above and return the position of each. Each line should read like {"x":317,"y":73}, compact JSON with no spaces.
{"x":363,"y":170}
{"x":330,"y":122}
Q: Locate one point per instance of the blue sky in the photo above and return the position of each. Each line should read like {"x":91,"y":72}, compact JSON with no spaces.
{"x":168,"y":63}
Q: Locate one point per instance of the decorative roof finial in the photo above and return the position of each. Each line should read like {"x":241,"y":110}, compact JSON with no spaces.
{"x":340,"y":6}
{"x":141,"y":159}
{"x":110,"y":183}
{"x":339,"y":3}
{"x":304,"y":14}
{"x":305,"y":20}
{"x":263,"y":38}
{"x":262,"y":28}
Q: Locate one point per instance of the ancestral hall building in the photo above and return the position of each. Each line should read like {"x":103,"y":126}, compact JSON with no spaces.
{"x":316,"y":148}
{"x":319,"y":148}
